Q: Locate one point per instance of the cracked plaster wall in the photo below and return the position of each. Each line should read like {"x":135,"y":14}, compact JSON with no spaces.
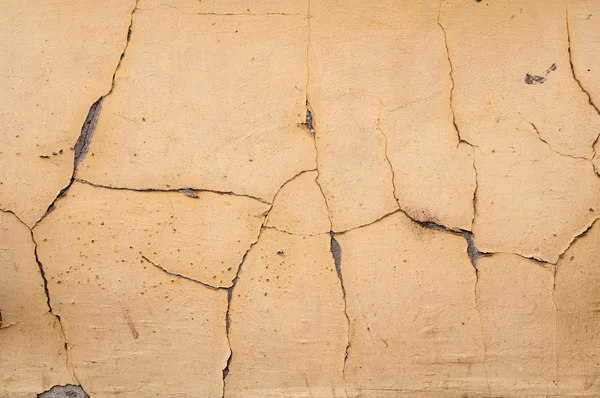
{"x":303,"y":199}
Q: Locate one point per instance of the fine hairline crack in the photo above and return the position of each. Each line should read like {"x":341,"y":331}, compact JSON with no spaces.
{"x":589,"y":97}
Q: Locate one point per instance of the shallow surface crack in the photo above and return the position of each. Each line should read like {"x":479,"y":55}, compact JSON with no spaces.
{"x":451,"y":75}
{"x":589,"y":97}
{"x":385,"y":142}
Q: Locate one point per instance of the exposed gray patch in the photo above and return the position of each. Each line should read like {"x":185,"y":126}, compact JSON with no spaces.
{"x":536,"y":79}
{"x":68,"y":391}
{"x":336,"y":252}
{"x":188,"y":192}
{"x":308,"y":122}
{"x":87,"y":130}
{"x":472,"y":251}
{"x":433,"y":225}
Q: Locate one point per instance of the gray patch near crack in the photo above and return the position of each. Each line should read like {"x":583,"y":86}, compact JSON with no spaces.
{"x":188,"y":192}
{"x":472,"y":251}
{"x":336,"y":252}
{"x":68,"y":391}
{"x":432,"y":225}
{"x":86,"y":132}
{"x":534,"y":79}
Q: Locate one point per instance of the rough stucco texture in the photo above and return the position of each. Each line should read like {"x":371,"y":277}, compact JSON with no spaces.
{"x":299,"y":198}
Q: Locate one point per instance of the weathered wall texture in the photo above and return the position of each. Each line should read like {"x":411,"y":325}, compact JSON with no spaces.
{"x":322,"y":198}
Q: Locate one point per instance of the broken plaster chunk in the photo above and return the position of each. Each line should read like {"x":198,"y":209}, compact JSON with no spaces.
{"x":578,"y":325}
{"x":133,"y":330}
{"x":299,"y":207}
{"x":288,"y":330}
{"x":37,"y":70}
{"x":378,"y":133}
{"x":32,"y":354}
{"x":527,"y":202}
{"x":227,"y":93}
{"x":202,"y":238}
{"x":518,"y":324}
{"x":492,"y":47}
{"x":414,"y":324}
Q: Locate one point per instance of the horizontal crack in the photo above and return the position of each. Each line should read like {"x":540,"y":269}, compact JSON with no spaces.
{"x":188,"y":191}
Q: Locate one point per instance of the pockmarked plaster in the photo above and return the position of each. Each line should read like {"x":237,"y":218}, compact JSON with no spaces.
{"x":300,"y":199}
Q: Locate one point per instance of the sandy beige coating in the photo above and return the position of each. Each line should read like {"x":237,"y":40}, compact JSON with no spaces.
{"x":520,"y":320}
{"x":578,"y":320}
{"x":300,"y":199}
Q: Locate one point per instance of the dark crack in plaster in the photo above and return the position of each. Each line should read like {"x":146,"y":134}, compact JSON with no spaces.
{"x":51,"y":310}
{"x":187,"y":191}
{"x":589,"y":97}
{"x":87,"y":129}
{"x":230,"y":297}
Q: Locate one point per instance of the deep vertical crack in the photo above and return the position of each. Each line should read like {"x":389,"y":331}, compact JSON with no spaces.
{"x":336,"y":253}
{"x":239,"y":271}
{"x":229,"y":298}
{"x":335,"y":248}
{"x":87,"y":129}
{"x":85,"y":136}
